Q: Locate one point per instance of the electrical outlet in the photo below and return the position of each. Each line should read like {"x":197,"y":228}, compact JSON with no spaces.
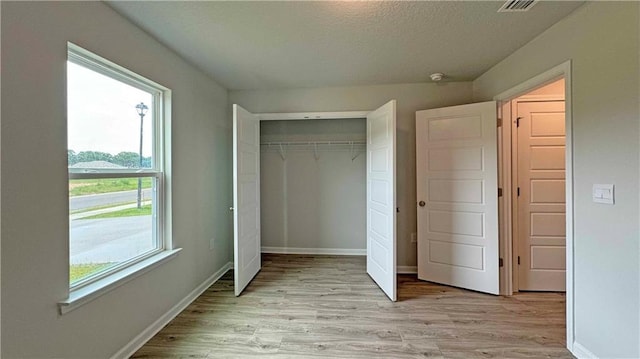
{"x":414,"y":237}
{"x":212,"y":242}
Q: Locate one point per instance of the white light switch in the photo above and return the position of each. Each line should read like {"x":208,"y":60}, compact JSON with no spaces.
{"x":603,"y":193}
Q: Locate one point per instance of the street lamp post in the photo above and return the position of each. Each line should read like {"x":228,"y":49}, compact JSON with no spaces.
{"x":142,"y":110}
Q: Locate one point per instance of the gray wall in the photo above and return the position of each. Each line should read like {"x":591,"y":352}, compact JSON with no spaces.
{"x":309,"y":202}
{"x":602,"y":41}
{"x":410,"y":97}
{"x":35,"y":218}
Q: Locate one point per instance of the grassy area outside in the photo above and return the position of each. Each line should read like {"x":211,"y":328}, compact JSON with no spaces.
{"x":128,"y":212}
{"x":80,"y":271}
{"x":80,"y":187}
{"x":89,"y":209}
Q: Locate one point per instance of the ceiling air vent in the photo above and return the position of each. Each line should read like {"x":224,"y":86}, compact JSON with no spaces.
{"x":517,"y":5}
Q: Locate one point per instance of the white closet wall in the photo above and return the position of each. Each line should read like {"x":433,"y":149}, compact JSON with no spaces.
{"x":313,"y":200}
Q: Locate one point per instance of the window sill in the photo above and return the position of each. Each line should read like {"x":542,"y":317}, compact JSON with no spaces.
{"x":86,"y":294}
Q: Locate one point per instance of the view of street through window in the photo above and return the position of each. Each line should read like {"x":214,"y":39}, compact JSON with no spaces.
{"x":105,"y":225}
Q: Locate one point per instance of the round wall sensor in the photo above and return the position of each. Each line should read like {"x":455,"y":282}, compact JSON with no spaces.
{"x":436,"y":76}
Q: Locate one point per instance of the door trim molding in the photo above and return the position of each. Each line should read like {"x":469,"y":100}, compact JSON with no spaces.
{"x":560,"y":71}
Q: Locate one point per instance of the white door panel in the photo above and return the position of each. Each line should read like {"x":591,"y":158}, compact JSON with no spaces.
{"x":456,"y":159}
{"x":246,"y":197}
{"x":381,"y":197}
{"x":541,"y":203}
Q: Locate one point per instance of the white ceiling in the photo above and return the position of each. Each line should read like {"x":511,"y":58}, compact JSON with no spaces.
{"x":263,"y":45}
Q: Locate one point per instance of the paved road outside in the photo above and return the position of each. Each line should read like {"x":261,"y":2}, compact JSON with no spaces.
{"x":103,"y":199}
{"x":109,"y":239}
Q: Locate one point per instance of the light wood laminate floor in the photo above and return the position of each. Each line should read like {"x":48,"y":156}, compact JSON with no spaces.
{"x":327,"y":306}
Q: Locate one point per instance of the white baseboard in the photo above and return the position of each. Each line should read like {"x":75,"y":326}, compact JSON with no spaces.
{"x":407,"y":270}
{"x":581,"y":352}
{"x":333,"y":252}
{"x":325,"y":251}
{"x":156,"y":326}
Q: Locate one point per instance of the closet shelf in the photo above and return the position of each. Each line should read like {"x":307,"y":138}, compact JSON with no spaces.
{"x":282,"y":147}
{"x":313,"y":143}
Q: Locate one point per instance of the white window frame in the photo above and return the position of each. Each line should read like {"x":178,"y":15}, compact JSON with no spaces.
{"x":90,"y":287}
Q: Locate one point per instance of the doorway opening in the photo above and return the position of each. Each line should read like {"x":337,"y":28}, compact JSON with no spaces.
{"x":380,"y":148}
{"x":539,"y":235}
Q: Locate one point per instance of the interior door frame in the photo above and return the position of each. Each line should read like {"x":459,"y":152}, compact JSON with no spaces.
{"x":514,"y":180}
{"x":283,"y":116}
{"x":505,"y":176}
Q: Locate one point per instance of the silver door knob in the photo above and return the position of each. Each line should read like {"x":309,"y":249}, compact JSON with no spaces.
{"x":231,"y":209}
{"x":421,"y":203}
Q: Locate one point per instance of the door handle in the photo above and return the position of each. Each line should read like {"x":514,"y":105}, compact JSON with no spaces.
{"x":421,"y":203}
{"x":230,"y":209}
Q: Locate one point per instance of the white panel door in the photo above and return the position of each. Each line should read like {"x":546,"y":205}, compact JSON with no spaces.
{"x":457,"y":190}
{"x":381,"y":197}
{"x":541,"y":200}
{"x":246,"y":197}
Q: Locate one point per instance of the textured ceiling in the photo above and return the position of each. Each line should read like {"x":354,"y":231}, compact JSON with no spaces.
{"x":262,"y":45}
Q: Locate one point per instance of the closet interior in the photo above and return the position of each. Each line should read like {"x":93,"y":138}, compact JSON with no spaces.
{"x":313,"y":186}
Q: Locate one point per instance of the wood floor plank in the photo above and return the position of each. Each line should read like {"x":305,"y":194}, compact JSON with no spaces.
{"x":302,"y":306}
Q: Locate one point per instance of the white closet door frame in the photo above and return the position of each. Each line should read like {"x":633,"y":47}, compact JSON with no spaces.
{"x":344,"y":115}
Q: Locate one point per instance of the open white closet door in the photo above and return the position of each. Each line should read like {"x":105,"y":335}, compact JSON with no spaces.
{"x":457,"y":189}
{"x":246,"y":197}
{"x":381,"y":197}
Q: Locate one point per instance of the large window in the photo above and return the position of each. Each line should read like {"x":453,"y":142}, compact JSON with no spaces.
{"x":116,"y":167}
